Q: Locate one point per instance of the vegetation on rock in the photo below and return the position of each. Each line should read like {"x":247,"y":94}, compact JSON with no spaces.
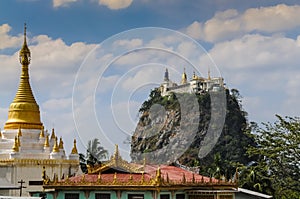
{"x":267,"y":157}
{"x":229,"y":149}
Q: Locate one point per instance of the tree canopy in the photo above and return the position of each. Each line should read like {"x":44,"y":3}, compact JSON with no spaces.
{"x":95,"y":153}
{"x":277,"y":171}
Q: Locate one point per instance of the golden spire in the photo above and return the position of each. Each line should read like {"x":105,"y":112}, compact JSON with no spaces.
{"x":208,"y":74}
{"x":42,"y":133}
{"x":183,"y":78}
{"x":74,"y":150}
{"x":99,"y":177}
{"x":116,"y":153}
{"x":46,"y":144}
{"x":158,"y":176}
{"x":195,"y":77}
{"x":19,"y":132}
{"x":19,"y":142}
{"x":55,"y":147}
{"x":61,"y":143}
{"x":24,"y":111}
{"x":15,"y":147}
{"x":53,"y":134}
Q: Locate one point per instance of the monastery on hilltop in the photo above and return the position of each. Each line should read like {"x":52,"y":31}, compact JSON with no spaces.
{"x":25,"y":146}
{"x":195,"y":85}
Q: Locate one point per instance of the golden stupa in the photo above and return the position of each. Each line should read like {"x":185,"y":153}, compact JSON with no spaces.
{"x":24,"y":112}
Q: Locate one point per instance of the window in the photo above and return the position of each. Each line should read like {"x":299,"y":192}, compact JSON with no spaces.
{"x":164,"y":196}
{"x":71,"y":195}
{"x":180,"y":196}
{"x":102,"y":196}
{"x":225,"y":196}
{"x":135,"y":196}
{"x":204,"y":196}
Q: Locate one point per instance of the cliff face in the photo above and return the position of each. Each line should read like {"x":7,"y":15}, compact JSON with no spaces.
{"x":191,"y":130}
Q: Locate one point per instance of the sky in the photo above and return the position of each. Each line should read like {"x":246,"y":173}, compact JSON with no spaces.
{"x":95,"y":61}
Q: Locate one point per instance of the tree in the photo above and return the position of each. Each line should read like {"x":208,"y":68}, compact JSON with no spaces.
{"x":95,"y":153}
{"x":278,"y":166}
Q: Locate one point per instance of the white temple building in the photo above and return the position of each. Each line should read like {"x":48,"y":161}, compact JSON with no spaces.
{"x":195,"y":85}
{"x":26,"y":148}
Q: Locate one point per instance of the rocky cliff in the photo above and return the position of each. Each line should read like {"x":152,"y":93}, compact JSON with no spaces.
{"x":205,"y":130}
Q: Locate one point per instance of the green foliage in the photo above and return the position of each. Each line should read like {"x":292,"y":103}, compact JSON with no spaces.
{"x":277,"y":171}
{"x":230,"y":147}
{"x":94,"y":154}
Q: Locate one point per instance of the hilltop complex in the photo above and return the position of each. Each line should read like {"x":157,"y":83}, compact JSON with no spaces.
{"x":195,"y":85}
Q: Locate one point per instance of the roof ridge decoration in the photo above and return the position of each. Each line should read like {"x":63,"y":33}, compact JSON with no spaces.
{"x":116,"y":162}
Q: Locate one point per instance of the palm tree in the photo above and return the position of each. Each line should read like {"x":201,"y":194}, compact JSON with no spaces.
{"x":95,"y":153}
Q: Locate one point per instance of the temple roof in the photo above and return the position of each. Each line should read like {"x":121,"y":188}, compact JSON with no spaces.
{"x":118,"y":172}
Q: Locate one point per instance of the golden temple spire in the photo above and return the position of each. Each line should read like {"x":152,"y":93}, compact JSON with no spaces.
{"x":55,"y":147}
{"x":15,"y":147}
{"x":19,"y":132}
{"x":74,"y":150}
{"x":208,"y":74}
{"x":53,"y":134}
{"x":24,"y":111}
{"x":19,"y":142}
{"x":46,"y":144}
{"x":42,"y":133}
{"x":158,"y":176}
{"x":116,"y":153}
{"x":61,"y":143}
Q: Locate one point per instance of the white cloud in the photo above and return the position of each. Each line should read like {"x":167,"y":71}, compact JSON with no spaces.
{"x":57,"y":104}
{"x":129,"y":44}
{"x":59,"y":3}
{"x":265,"y":70}
{"x":8,"y":41}
{"x":230,"y":23}
{"x":272,"y":19}
{"x":195,"y":30}
{"x":116,"y":4}
{"x":256,"y":51}
{"x":143,"y":76}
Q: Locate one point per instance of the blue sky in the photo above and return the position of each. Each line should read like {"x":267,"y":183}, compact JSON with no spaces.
{"x":254,"y":45}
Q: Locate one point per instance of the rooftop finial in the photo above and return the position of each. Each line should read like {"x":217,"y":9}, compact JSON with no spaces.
{"x":55,"y":147}
{"x":74,"y":149}
{"x":25,"y":52}
{"x":46,"y":144}
{"x":61,"y":143}
{"x":25,"y":32}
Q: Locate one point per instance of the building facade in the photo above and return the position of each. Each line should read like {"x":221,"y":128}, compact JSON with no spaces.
{"x":118,"y":179}
{"x":195,"y":85}
{"x":25,"y":146}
